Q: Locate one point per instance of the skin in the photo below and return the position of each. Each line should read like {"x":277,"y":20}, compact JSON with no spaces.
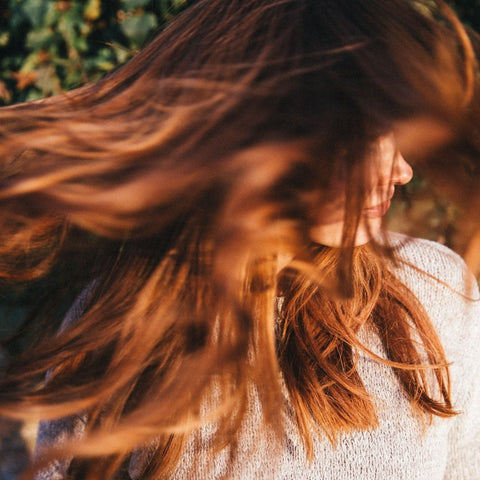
{"x":387,"y":169}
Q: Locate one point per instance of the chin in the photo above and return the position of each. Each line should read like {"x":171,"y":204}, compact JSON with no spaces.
{"x":330,"y":235}
{"x":368,"y":231}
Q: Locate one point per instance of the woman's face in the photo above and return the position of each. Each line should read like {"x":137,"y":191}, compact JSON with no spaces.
{"x":387,"y":168}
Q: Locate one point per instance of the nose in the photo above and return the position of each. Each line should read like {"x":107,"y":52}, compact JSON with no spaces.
{"x":393,"y":169}
{"x":402,"y":172}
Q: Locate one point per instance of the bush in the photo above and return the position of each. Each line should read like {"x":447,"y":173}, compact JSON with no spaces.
{"x":47,"y":46}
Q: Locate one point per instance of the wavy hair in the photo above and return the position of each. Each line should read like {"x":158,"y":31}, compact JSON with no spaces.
{"x":169,"y":189}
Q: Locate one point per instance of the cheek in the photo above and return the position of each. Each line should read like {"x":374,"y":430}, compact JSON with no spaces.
{"x":330,"y":213}
{"x":327,"y":219}
{"x":329,"y":206}
{"x":329,"y":234}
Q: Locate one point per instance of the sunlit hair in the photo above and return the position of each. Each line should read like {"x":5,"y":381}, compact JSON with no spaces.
{"x":170,"y":189}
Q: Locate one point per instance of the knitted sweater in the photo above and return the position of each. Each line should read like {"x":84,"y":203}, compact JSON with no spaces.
{"x":400,"y":447}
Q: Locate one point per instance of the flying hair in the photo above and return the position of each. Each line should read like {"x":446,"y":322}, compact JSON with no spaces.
{"x":169,"y":192}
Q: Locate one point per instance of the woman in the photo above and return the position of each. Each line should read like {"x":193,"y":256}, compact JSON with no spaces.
{"x":242,"y":315}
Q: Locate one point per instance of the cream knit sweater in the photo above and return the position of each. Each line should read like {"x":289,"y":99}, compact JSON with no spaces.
{"x":399,"y":449}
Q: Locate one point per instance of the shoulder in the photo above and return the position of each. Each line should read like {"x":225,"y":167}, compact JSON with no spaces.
{"x":430,"y":264}
{"x":448,"y":291}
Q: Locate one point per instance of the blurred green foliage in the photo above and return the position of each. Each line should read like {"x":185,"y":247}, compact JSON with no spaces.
{"x":47,"y":46}
{"x":469,"y":12}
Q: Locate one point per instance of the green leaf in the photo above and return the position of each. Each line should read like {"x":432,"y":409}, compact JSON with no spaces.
{"x":99,"y":64}
{"x":47,"y":80}
{"x":40,"y":38}
{"x":93,"y":10}
{"x":71,"y":25}
{"x":35,"y":10}
{"x":168,"y":8}
{"x":30,"y":62}
{"x":122,"y":54}
{"x":178,"y":4}
{"x":51,"y":15}
{"x":4,"y":38}
{"x":130,"y":5}
{"x":138,"y":27}
{"x":33,"y":94}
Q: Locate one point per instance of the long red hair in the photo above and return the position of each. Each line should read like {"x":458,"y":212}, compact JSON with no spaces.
{"x":169,"y":189}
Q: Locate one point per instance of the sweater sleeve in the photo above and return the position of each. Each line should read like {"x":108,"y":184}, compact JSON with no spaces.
{"x":464,"y":437}
{"x":55,"y":432}
{"x":451,"y":296}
